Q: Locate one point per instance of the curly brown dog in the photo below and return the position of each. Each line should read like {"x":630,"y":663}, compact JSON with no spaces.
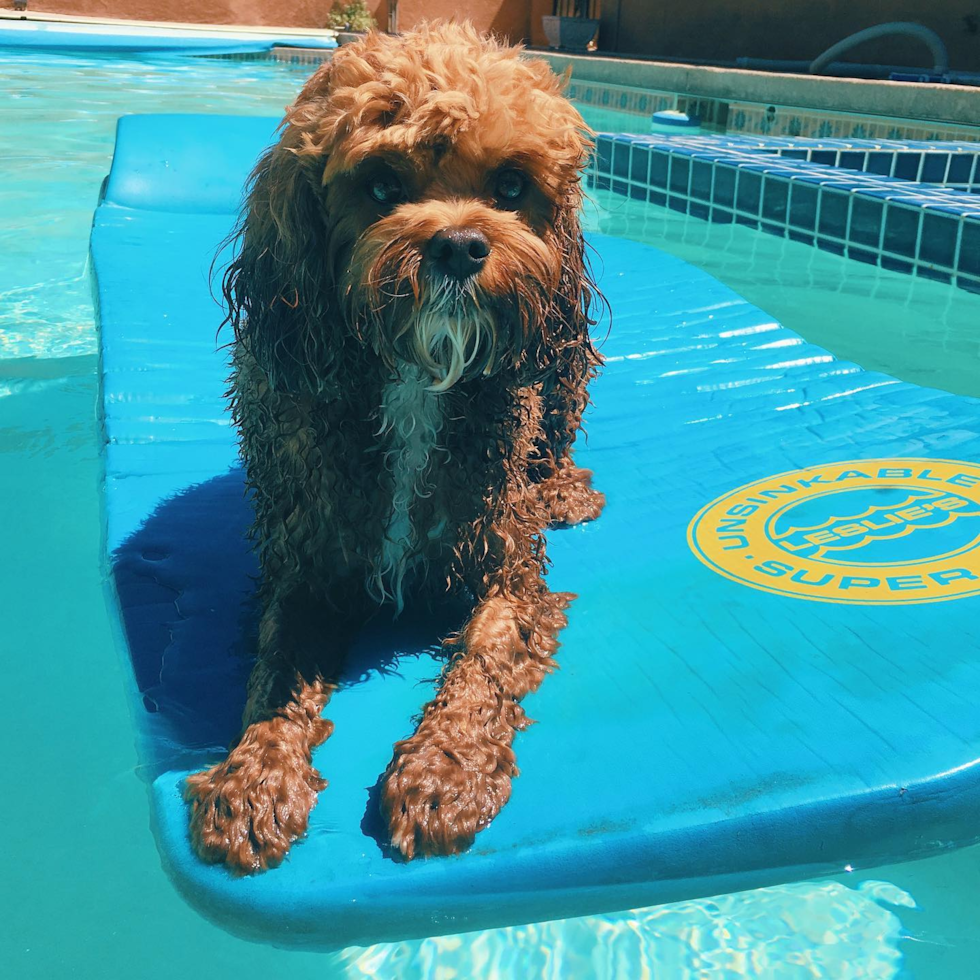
{"x":410,"y":302}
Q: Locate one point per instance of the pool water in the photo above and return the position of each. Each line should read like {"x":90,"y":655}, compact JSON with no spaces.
{"x":84,"y":894}
{"x":913,"y":328}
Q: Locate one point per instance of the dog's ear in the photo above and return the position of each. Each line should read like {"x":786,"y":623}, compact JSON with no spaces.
{"x":278,"y":289}
{"x":568,"y":357}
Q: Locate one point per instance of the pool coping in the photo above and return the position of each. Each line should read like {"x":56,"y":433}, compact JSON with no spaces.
{"x":954,"y":104}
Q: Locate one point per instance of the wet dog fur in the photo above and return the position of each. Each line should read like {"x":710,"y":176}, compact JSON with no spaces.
{"x":411,"y":311}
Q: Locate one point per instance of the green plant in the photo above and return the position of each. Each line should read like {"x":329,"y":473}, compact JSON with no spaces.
{"x":352,"y":16}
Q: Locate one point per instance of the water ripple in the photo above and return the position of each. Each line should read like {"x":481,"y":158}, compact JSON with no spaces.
{"x":805,"y":931}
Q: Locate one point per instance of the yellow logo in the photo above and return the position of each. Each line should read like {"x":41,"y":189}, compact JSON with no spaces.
{"x":872,"y":531}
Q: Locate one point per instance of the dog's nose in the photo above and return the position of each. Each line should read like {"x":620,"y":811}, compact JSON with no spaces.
{"x":459,"y":252}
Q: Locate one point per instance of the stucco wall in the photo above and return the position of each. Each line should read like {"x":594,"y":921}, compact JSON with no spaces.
{"x":508,"y":17}
{"x":286,"y":13}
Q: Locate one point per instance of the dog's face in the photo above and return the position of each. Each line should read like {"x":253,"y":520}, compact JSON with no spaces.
{"x":443,"y":175}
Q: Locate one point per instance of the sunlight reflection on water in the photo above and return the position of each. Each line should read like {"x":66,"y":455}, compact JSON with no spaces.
{"x":801,"y":931}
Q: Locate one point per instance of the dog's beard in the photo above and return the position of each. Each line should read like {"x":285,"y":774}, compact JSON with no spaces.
{"x":451,"y":335}
{"x":452,"y":329}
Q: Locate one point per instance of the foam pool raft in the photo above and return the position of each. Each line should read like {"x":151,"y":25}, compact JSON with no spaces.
{"x":772,"y":670}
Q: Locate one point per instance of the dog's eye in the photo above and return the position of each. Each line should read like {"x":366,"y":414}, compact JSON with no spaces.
{"x":510,"y":186}
{"x":386,"y":190}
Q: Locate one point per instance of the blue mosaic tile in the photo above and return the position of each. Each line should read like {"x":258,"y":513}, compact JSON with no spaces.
{"x":970,"y":248}
{"x":907,"y":165}
{"x":866,"y":215}
{"x":895,"y":265}
{"x":883,"y":193}
{"x":938,"y":244}
{"x":862,"y":255}
{"x":901,"y":230}
{"x":680,"y":174}
{"x":830,"y":246}
{"x":852,"y":160}
{"x":799,"y":236}
{"x":832,"y":219}
{"x":749,"y":190}
{"x":808,"y":177}
{"x":775,"y":199}
{"x":701,"y":180}
{"x":640,"y":164}
{"x":929,"y":273}
{"x":960,"y":168}
{"x":795,"y":185}
{"x":724,"y":193}
{"x":603,"y":152}
{"x":949,"y":207}
{"x":934,"y":168}
{"x":803,"y":206}
{"x":659,"y":165}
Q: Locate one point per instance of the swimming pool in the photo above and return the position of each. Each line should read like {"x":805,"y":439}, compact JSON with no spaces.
{"x":92,"y":900}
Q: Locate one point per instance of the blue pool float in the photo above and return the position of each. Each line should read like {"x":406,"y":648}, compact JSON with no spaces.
{"x":771,"y":671}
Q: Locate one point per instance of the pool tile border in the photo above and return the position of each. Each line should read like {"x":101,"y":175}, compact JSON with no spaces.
{"x":799,"y":189}
{"x":741,"y":117}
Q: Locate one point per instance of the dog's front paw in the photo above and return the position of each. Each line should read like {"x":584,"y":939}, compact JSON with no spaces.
{"x":438,"y":794}
{"x":569,"y":499}
{"x":247,"y":811}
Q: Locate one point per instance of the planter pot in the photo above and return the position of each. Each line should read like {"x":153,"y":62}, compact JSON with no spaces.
{"x":570,"y":33}
{"x":348,"y":37}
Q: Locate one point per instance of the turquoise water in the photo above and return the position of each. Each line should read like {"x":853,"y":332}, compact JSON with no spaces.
{"x":915,"y":329}
{"x":83,"y":894}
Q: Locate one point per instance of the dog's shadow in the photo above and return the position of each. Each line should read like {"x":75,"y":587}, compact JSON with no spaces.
{"x":186,"y":583}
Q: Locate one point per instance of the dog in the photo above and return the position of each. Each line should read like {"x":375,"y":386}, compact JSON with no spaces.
{"x":410,"y":300}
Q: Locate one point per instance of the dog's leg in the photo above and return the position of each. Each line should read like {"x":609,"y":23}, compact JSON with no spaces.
{"x":451,"y":778}
{"x":247,"y":810}
{"x":565,"y":490}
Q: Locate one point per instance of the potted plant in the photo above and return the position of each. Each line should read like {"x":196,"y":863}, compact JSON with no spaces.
{"x":573,"y":26}
{"x":350,"y":20}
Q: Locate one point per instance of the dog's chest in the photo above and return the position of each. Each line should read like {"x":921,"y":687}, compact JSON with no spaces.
{"x":412,"y":422}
